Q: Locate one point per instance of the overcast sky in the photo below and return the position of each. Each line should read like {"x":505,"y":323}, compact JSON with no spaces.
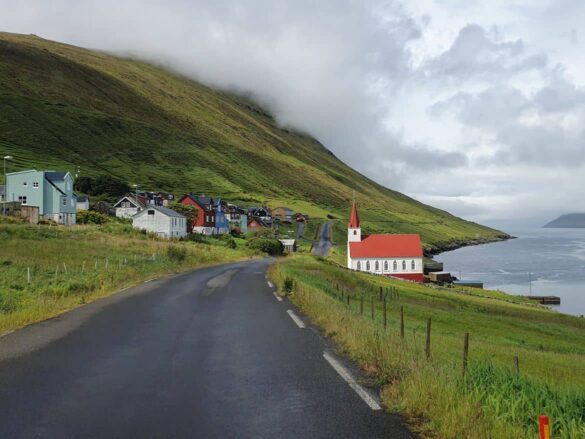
{"x":477,"y":107}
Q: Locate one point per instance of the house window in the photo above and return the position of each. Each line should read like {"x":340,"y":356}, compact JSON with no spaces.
{"x":385,"y":265}
{"x":72,"y":203}
{"x":412,"y":265}
{"x":64,"y":201}
{"x":404,"y":265}
{"x":151,"y":212}
{"x":36,"y":184}
{"x":395,"y":266}
{"x":368,"y":265}
{"x":22,"y":200}
{"x":359,"y":265}
{"x":355,"y":232}
{"x":24,"y":183}
{"x":377,"y":266}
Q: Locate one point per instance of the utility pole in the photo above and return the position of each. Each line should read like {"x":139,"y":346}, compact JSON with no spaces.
{"x":529,"y":283}
{"x":5,"y":199}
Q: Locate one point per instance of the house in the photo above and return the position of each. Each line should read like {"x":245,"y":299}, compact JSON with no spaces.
{"x":204,"y":213}
{"x":50,"y":191}
{"x":290,"y":245}
{"x":162,"y":221}
{"x":222,"y":224}
{"x":237,"y":217}
{"x":299,"y":217}
{"x":398,"y":256}
{"x":254,"y":225}
{"x":283,"y":214}
{"x":129,"y":205}
{"x":82,"y":202}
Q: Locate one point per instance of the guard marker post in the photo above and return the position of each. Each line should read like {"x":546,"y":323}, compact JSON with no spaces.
{"x":544,"y":427}
{"x":428,"y":345}
{"x":401,"y":321}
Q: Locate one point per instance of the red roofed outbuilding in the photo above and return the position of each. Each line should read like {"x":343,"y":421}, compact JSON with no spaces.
{"x":398,"y":256}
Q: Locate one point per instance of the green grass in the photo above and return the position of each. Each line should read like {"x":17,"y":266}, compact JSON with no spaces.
{"x":63,"y":107}
{"x":72,"y":266}
{"x":492,"y":401}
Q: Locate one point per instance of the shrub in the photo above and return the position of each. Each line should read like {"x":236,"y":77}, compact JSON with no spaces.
{"x":8,"y":302}
{"x":231,"y":243}
{"x":271,"y":246}
{"x":176,"y":253}
{"x":288,"y":285}
{"x":91,"y":217}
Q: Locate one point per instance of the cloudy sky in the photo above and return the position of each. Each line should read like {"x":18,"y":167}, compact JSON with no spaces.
{"x":474,"y":106}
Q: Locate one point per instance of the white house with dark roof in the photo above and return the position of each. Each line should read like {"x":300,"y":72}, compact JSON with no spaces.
{"x":129,"y":205}
{"x":50,"y":191}
{"x":164,"y":222}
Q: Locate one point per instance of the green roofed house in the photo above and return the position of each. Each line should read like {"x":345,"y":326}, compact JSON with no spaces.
{"x":50,"y":191}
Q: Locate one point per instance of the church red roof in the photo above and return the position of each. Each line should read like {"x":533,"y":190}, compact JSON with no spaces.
{"x":387,"y":246}
{"x":354,"y":219}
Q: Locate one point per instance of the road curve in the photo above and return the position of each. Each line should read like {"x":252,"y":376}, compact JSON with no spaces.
{"x":323,"y":246}
{"x":208,"y":354}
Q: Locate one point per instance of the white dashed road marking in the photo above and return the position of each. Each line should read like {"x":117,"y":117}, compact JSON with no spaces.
{"x":270,"y":284}
{"x":296,"y":319}
{"x":277,"y":297}
{"x":349,"y":379}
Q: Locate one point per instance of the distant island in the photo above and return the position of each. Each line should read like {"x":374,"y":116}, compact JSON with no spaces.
{"x":568,"y":221}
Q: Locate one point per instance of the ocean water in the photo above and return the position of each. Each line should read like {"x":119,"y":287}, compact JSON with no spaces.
{"x":544,"y":262}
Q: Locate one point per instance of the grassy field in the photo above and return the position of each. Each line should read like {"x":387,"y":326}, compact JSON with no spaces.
{"x":62,"y":107}
{"x":493,"y":400}
{"x":45,"y":271}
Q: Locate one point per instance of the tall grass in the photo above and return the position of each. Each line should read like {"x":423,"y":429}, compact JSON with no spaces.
{"x":493,"y":400}
{"x":47,"y":270}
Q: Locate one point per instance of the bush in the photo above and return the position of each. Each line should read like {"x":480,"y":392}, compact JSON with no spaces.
{"x":288,"y":286}
{"x":231,"y":243}
{"x":197,"y":237}
{"x":91,"y":217}
{"x":271,"y":246}
{"x":176,"y":253}
{"x":8,"y":302}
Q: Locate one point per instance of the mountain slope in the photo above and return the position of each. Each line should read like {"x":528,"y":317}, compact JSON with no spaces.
{"x":567,"y":221}
{"x":63,"y":107}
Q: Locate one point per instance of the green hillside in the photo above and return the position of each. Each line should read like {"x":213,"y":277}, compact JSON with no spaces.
{"x":62,"y":107}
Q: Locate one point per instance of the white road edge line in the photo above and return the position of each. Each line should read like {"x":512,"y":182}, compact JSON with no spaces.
{"x":149,"y":280}
{"x":277,"y":297}
{"x":296,"y":319}
{"x":270,"y":284}
{"x":349,"y":379}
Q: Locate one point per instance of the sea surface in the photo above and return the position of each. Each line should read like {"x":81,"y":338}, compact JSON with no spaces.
{"x":541,"y":262}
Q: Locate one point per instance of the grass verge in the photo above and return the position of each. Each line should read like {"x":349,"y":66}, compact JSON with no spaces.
{"x":493,"y":399}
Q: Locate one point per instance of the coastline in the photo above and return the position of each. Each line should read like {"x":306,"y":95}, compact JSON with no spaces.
{"x":454,"y":245}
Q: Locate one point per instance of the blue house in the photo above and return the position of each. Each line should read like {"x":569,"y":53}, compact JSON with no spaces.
{"x":50,"y":191}
{"x":222,"y":223}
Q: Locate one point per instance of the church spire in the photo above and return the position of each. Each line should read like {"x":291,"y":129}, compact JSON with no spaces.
{"x":354,"y":219}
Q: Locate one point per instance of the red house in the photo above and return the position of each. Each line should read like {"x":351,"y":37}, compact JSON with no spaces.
{"x":204,"y":213}
{"x":254,"y":225}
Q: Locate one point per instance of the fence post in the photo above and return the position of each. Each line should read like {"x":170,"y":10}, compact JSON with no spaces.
{"x":428,"y":346}
{"x":465,"y":352}
{"x":401,"y":321}
{"x":372,"y":303}
{"x":516,"y":363}
{"x":362,"y":305}
{"x":348,"y":300}
{"x":385,"y":317}
{"x":28,"y":274}
{"x":83,"y":267}
{"x":106,"y":263}
{"x":380,"y":294}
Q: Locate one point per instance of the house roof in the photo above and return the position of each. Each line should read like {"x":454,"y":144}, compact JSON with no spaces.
{"x":139,"y":201}
{"x":163,"y":210}
{"x":52,"y":175}
{"x":354,"y":219}
{"x":387,"y":246}
{"x":287,"y":242}
{"x":202,"y":200}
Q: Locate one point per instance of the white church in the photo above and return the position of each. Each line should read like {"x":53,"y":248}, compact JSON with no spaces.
{"x":398,"y":256}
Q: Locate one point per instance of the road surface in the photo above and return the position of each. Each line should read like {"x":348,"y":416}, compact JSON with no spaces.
{"x":323,"y":246}
{"x":208,"y":354}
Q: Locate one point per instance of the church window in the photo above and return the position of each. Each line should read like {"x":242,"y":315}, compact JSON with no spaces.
{"x":412,"y":265}
{"x":377,"y":266}
{"x":368,"y":265}
{"x":359,"y":265}
{"x":395,"y":266}
{"x":355,"y":232}
{"x":404,"y":265}
{"x":385,"y":265}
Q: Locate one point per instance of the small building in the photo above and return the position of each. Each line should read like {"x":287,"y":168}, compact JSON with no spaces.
{"x":398,"y":256}
{"x":51,"y":192}
{"x":204,"y":222}
{"x":468,"y":283}
{"x":440,"y":276}
{"x":82,"y":202}
{"x":261,"y":213}
{"x":129,"y":205}
{"x":290,"y":245}
{"x":283,"y":214}
{"x":254,"y":225}
{"x":17,"y":210}
{"x":222,"y":224}
{"x":162,"y":221}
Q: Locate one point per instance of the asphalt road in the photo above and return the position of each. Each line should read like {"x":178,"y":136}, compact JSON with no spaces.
{"x":209,"y":354}
{"x":323,"y":246}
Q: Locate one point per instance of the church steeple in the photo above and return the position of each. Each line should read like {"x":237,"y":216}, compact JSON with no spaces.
{"x":354,"y":230}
